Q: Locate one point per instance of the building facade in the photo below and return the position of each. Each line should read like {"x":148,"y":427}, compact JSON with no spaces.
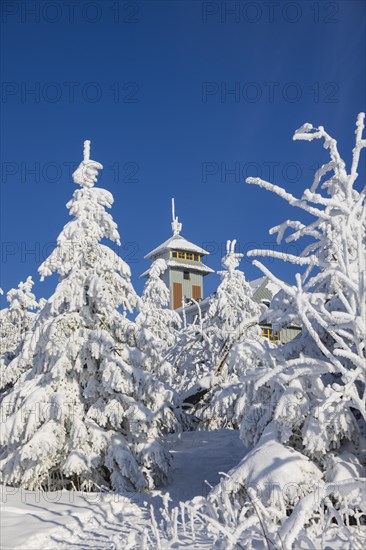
{"x":186,"y":270}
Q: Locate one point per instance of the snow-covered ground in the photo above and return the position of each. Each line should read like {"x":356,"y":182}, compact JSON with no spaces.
{"x":31,"y":520}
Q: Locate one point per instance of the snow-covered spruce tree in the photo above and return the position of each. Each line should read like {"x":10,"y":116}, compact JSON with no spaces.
{"x":86,"y":414}
{"x":17,"y":322}
{"x":232,"y":309}
{"x":190,"y":358}
{"x":157,"y":324}
{"x":311,"y":449}
{"x":18,"y":318}
{"x":231,"y":327}
{"x":207,"y":371}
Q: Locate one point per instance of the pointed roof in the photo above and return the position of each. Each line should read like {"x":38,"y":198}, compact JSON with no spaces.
{"x":177,"y":242}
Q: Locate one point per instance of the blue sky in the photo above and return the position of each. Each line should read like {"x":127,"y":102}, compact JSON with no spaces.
{"x":174,"y":96}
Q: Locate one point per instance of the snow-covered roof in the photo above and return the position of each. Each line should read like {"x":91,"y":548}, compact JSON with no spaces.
{"x":256,"y":283}
{"x":192,"y":266}
{"x":195,"y":266}
{"x":272,"y":287}
{"x":178,"y":242}
{"x":263,"y":289}
{"x":260,"y":283}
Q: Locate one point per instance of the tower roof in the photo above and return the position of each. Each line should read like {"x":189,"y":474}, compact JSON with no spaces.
{"x":177,"y":242}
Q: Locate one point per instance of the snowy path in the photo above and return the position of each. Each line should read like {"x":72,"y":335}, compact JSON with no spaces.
{"x":82,"y":521}
{"x":199,"y":457}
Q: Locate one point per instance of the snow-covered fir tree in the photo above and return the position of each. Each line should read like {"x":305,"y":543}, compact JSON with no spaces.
{"x":231,"y":327}
{"x":85,"y":413}
{"x":157,"y":324}
{"x":190,"y":357}
{"x":155,"y":313}
{"x":207,"y":372}
{"x":18,"y":318}
{"x":16,"y":322}
{"x":303,"y":483}
{"x":232,"y":311}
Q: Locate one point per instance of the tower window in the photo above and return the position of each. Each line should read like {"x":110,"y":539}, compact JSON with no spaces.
{"x":186,"y":275}
{"x":185,"y":255}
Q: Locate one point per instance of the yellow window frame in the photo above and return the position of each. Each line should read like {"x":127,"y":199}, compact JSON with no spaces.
{"x":185,"y":255}
{"x":268,"y":333}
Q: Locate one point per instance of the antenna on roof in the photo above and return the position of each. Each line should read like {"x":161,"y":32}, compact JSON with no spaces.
{"x":176,"y":226}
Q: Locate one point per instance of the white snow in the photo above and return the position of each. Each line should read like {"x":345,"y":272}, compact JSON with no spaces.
{"x":89,"y":396}
{"x":199,"y":457}
{"x":73,"y":520}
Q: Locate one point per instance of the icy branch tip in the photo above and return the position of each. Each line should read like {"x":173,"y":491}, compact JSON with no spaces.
{"x":304,"y":128}
{"x":232,"y":259}
{"x":360,"y":120}
{"x":86,"y":150}
{"x":230,"y":247}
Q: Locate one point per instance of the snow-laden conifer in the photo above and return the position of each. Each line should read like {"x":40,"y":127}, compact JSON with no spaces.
{"x":207,"y":374}
{"x":85,"y":413}
{"x":155,"y":313}
{"x":157,"y":324}
{"x":232,"y":310}
{"x":16,"y":322}
{"x":231,"y":325}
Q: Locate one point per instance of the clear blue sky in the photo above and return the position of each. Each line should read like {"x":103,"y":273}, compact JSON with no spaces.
{"x":147,"y":83}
